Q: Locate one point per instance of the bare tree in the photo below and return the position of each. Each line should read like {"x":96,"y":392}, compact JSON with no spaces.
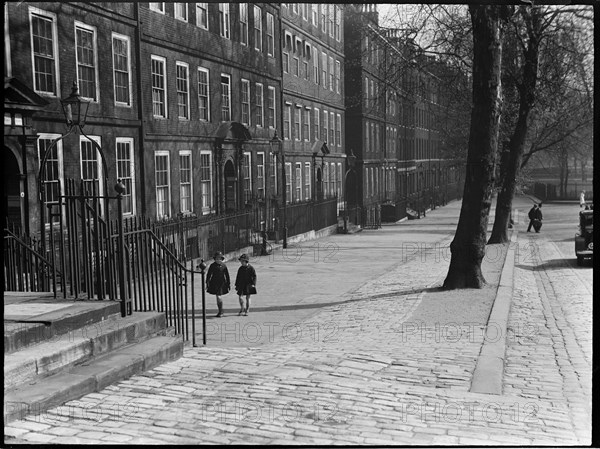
{"x":468,"y":245}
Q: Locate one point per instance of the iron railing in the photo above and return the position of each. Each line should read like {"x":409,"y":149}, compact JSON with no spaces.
{"x":25,"y":268}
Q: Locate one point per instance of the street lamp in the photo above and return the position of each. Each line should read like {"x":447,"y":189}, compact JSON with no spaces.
{"x":276,"y":145}
{"x":351,"y":160}
{"x":75,"y":108}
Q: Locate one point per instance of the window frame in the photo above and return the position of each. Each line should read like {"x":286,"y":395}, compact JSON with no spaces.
{"x":157,"y":154}
{"x":185,"y":65}
{"x":224,"y":21}
{"x":186,"y":153}
{"x":158,"y":7}
{"x":270,"y":34}
{"x":183,"y":17}
{"x":94,"y":32}
{"x":202,"y":7}
{"x":243,"y":11}
{"x":163,"y":61}
{"x":229,"y":111}
{"x":298,"y":123}
{"x":129,"y":74}
{"x":207,"y":71}
{"x":260,"y":104}
{"x":258,"y":30}
{"x":245,"y":101}
{"x":51,"y":17}
{"x":129,"y":191}
{"x":272,"y":100}
{"x":206,"y":209}
{"x":50,"y":137}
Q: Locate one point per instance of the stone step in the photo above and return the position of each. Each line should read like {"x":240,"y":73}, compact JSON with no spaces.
{"x":94,"y":375}
{"x":78,"y":345}
{"x":25,"y":329}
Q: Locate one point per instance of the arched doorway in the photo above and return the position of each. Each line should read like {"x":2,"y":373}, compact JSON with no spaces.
{"x":13,"y":203}
{"x":230,"y":186}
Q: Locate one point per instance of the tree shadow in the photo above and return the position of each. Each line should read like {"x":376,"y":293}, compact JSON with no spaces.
{"x":556,"y":264}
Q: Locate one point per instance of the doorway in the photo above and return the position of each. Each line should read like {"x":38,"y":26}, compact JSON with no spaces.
{"x":12,"y":201}
{"x":230,"y":187}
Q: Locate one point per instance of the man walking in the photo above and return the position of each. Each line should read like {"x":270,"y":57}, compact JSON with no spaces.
{"x":582,"y":199}
{"x":531,"y":216}
{"x":537,"y":221}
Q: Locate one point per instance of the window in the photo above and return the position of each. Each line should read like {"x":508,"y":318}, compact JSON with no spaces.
{"x":53,"y":175}
{"x":287,"y":120}
{"x":202,"y":15}
{"x":258,"y":44}
{"x":331,"y":129}
{"x":183,"y":91}
{"x":158,"y":7}
{"x":271,"y":106}
{"x":121,"y":70}
{"x":296,"y":67}
{"x":332,"y":179}
{"x":163,"y":184}
{"x":288,"y":182}
{"x":338,"y":22}
{"x":299,"y":185}
{"x":260,"y":115}
{"x":91,"y":167}
{"x":338,"y":130}
{"x":315,"y":61}
{"x":224,"y":20}
{"x":286,"y":62}
{"x":338,"y":75}
{"x":203,"y":94}
{"x":331,"y":74}
{"x":246,"y":102}
{"x":206,"y":181}
{"x":260,"y":175}
{"x":315,"y":14}
{"x":159,"y":93}
{"x":317,"y":116}
{"x":339,"y":180}
{"x":244,"y":23}
{"x":325,"y":179}
{"x":330,"y":12}
{"x":247,"y":174}
{"x":43,"y":45}
{"x":324,"y":126}
{"x":306,"y":70}
{"x":297,"y":121}
{"x":225,"y":98}
{"x":273,"y":166}
{"x":324,"y":69}
{"x":295,"y":8}
{"x":270,"y":34}
{"x":323,"y":17}
{"x":307,"y":181}
{"x":125,"y":172}
{"x":306,"y":125}
{"x":85,"y":41}
{"x":181,"y":11}
{"x":304,"y":7}
{"x":185,"y":181}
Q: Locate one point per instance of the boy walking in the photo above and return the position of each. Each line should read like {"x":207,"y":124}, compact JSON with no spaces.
{"x":245,"y":283}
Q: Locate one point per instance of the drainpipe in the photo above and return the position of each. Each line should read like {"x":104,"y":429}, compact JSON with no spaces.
{"x":140,"y":107}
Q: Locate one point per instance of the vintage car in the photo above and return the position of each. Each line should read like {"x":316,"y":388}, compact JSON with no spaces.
{"x":584,"y":244}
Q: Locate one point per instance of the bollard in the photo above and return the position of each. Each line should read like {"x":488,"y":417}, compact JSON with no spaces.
{"x":202,"y":267}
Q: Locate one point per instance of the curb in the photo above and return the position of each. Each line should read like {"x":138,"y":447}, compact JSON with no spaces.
{"x":487,"y":377}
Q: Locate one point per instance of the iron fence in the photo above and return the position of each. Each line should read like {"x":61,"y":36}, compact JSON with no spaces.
{"x":25,"y":268}
{"x":311,"y":215}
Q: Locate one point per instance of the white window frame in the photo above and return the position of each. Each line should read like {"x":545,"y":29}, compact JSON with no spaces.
{"x":285,"y":61}
{"x":162,"y":153}
{"x":288,"y":182}
{"x":130,"y":187}
{"x":270,"y":34}
{"x":206,"y":209}
{"x":258,"y":28}
{"x":323,"y":17}
{"x":287,"y":134}
{"x":186,"y":92}
{"x":7,"y":58}
{"x":164,"y":88}
{"x":207,"y":72}
{"x":306,"y":124}
{"x":272,"y":106}
{"x":186,"y":153}
{"x":157,"y":7}
{"x":338,"y":130}
{"x":59,"y":159}
{"x":91,"y":29}
{"x":338,"y":75}
{"x":224,"y":21}
{"x":52,"y":17}
{"x":315,"y":61}
{"x":317,"y":126}
{"x":202,"y":11}
{"x":183,"y":17}
{"x":331,"y":74}
{"x":244,"y":23}
{"x":315,"y":14}
{"x":299,"y":184}
{"x":325,"y":126}
{"x":298,"y":123}
{"x":273,"y":174}
{"x":129,"y":82}
{"x":247,"y":186}
{"x":296,"y":67}
{"x":245,"y":101}
{"x":307,"y":181}
{"x":331,"y":141}
{"x":338,"y":23}
{"x":260,"y":104}
{"x":100,"y":171}
{"x":324,"y":69}
{"x":260,"y":175}
{"x":228,"y":97}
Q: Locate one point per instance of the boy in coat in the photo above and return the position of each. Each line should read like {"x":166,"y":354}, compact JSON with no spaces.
{"x":245,"y":283}
{"x":217,"y":280}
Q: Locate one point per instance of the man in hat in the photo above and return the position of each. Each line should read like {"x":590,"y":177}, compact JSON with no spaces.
{"x":217,"y":280}
{"x":245,"y":283}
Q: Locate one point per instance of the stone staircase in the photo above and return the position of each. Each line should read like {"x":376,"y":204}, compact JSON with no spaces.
{"x":56,"y":351}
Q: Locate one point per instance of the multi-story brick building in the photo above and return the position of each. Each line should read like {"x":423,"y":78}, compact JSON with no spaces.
{"x":392,"y":121}
{"x":313,"y":100}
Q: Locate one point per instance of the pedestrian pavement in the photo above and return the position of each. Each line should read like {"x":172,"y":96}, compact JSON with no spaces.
{"x":364,"y":349}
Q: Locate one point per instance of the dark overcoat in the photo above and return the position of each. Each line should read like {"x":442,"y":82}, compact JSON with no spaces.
{"x":217,"y":279}
{"x":245,"y":280}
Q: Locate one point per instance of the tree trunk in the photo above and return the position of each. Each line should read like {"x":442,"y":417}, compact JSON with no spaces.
{"x":517,"y":141}
{"x":468,"y":246}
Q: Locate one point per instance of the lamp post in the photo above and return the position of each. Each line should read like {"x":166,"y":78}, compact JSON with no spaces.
{"x":277,"y":149}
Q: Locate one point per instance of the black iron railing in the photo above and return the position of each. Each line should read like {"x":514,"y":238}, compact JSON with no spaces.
{"x":25,"y":268}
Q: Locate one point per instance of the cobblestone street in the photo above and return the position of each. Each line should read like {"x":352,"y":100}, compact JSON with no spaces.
{"x":390,"y":362}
